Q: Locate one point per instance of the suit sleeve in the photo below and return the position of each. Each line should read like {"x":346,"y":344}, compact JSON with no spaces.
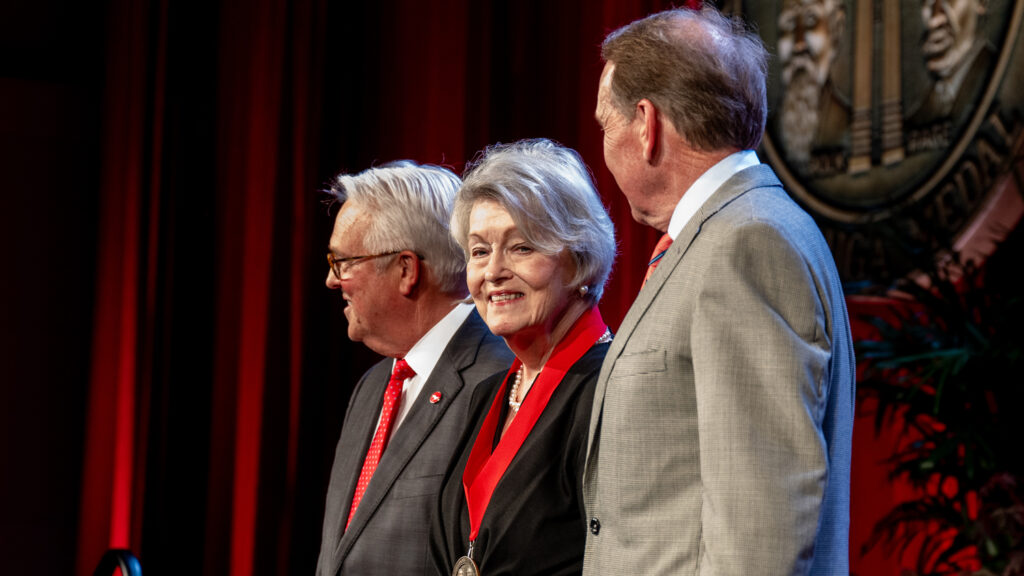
{"x":339,"y":499}
{"x":760,"y":359}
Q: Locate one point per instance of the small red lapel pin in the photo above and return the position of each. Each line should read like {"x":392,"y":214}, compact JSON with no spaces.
{"x":435,"y":397}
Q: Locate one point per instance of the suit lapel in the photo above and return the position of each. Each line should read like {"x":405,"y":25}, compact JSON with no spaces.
{"x":446,"y":378}
{"x":734,"y":187}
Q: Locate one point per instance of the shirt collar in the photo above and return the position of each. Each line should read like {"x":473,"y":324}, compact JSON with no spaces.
{"x":423,"y":356}
{"x":705,"y":186}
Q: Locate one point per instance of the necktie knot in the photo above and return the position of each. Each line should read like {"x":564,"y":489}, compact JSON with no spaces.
{"x":402,"y":371}
{"x":660,"y":248}
{"x":659,"y":251}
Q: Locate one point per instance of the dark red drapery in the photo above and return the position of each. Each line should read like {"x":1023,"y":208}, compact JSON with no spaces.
{"x":219,"y":362}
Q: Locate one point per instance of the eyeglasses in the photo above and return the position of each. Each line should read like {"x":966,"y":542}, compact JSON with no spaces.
{"x":341,"y":266}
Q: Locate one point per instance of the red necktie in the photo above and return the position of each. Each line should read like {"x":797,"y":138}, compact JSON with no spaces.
{"x":659,"y":250}
{"x":401,"y":372}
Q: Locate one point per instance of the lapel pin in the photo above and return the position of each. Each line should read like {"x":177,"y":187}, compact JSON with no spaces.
{"x":435,"y":397}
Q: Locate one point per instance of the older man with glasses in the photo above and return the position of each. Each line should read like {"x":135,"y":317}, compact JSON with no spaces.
{"x":402,"y":280}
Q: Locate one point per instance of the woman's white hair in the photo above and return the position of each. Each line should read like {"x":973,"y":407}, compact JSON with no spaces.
{"x":550,"y":195}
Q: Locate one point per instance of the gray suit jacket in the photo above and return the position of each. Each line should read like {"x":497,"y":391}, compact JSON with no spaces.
{"x":720,"y":438}
{"x":388,"y":534}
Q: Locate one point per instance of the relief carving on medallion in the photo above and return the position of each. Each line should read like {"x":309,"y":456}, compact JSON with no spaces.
{"x":898,"y":113}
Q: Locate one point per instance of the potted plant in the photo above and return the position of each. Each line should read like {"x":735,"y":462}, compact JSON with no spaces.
{"x":945,"y":369}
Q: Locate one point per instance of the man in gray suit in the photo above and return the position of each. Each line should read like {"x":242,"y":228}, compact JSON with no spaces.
{"x":402,"y":278}
{"x":720,"y":437}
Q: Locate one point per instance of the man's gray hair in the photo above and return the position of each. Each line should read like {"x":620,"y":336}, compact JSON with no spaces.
{"x":550,"y":195}
{"x":411,"y":207}
{"x":705,"y":71}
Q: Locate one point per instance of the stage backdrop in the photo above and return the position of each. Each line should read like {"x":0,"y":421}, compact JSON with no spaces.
{"x":198,"y":384}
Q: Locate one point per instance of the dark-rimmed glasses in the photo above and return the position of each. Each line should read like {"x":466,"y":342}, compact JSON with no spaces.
{"x":341,"y":266}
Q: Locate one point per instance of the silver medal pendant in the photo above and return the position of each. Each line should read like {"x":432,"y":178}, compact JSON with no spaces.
{"x":465,"y":567}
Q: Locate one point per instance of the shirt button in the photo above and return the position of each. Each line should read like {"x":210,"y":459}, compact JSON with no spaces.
{"x":595,"y":526}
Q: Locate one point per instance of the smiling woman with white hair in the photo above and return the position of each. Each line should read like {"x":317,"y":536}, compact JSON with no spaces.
{"x":540,"y":247}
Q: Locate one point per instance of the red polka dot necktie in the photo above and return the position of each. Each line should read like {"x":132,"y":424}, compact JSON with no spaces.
{"x":659,"y":251}
{"x":399,"y":375}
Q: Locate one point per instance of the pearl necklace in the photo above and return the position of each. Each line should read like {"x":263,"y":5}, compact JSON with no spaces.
{"x":515,"y":391}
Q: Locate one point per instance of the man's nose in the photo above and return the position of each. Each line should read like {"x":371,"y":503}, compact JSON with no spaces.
{"x":332,"y":281}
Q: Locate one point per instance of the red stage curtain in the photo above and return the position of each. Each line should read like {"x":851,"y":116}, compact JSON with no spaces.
{"x":110,"y":471}
{"x":220,"y":365}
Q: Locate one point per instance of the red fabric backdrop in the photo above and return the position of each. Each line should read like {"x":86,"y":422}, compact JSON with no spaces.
{"x":220,"y":367}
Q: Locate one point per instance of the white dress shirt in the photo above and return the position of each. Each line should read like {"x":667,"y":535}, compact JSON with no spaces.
{"x":423,"y":356}
{"x":705,"y":186}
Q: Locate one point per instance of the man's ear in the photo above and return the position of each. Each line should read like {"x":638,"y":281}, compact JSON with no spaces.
{"x":410,"y":265}
{"x":647,"y":114}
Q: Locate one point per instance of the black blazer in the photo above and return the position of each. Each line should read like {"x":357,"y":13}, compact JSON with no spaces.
{"x":535,"y":522}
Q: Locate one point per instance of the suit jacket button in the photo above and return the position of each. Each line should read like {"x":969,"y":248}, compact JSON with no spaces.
{"x":595,"y":526}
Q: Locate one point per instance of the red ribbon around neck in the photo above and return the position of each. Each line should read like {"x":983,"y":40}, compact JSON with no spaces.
{"x":484,"y":469}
